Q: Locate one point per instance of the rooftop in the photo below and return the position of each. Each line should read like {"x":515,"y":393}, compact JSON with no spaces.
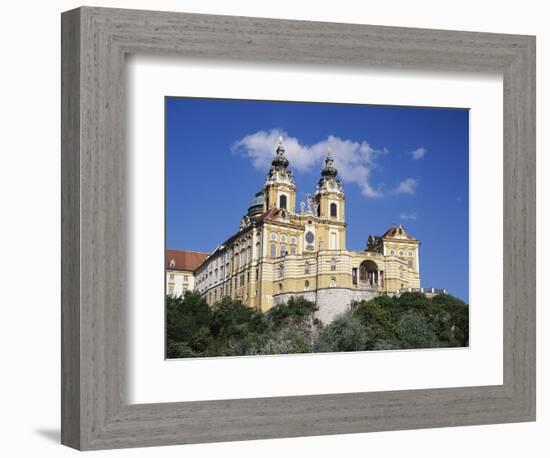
{"x":184,"y":259}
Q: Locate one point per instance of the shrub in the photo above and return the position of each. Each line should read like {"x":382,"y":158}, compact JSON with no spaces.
{"x":345,"y":333}
{"x":415,"y":331}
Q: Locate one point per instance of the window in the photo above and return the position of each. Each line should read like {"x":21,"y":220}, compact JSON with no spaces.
{"x":409,"y":254}
{"x":243,"y":257}
{"x":248,"y":277}
{"x":306,"y":268}
{"x":257,"y":274}
{"x":333,"y":241}
{"x":170,"y":290}
{"x":249,"y":254}
{"x":273,"y":250}
{"x":292,"y":249}
{"x":283,"y":238}
{"x":281,"y":270}
{"x":282,"y":201}
{"x":333,"y":210}
{"x":172,"y":263}
{"x":185,"y":277}
{"x":401,"y":253}
{"x":280,"y":287}
{"x":392,"y":252}
{"x":293,"y":240}
{"x":333,"y":282}
{"x":306,"y":285}
{"x":410,"y":263}
{"x":283,"y":250}
{"x":242,"y":280}
{"x":273,"y":236}
{"x":333,"y":265}
{"x":257,"y":254}
{"x":171,"y":276}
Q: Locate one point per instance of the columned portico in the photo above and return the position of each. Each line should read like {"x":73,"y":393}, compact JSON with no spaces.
{"x":370,"y":275}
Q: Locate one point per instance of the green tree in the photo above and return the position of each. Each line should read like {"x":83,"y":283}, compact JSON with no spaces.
{"x":345,"y":333}
{"x":452,"y":321}
{"x":232,"y":323}
{"x":415,"y":331}
{"x":378,"y":323}
{"x":287,"y":340}
{"x":187,"y":325}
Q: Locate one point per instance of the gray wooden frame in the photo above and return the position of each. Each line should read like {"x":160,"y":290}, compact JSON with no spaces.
{"x":95,"y":413}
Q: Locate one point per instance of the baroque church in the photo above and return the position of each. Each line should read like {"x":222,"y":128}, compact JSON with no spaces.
{"x":280,"y":251}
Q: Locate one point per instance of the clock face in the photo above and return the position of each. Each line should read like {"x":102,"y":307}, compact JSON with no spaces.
{"x":309,"y":237}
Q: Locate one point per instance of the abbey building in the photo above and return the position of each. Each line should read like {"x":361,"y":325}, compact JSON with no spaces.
{"x":281,"y":250}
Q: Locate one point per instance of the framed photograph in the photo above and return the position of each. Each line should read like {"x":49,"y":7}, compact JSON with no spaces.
{"x":277,"y":228}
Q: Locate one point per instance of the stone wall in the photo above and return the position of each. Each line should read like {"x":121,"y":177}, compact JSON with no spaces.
{"x":330,"y":301}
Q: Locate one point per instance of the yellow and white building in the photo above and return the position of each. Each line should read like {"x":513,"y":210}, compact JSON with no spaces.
{"x":280,"y":250}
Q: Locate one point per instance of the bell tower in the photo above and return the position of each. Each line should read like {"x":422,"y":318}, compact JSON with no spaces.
{"x":279,"y":187}
{"x":329,"y":194}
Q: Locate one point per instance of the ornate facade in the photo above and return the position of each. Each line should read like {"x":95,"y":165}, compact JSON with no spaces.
{"x":280,"y":251}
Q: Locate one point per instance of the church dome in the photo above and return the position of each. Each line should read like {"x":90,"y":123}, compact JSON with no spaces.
{"x":257,"y":205}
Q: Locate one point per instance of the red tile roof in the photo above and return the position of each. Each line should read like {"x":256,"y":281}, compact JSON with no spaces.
{"x":269,"y":214}
{"x":392,"y":232}
{"x":184,"y":259}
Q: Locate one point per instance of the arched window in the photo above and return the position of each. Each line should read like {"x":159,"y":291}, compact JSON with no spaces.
{"x":257,"y":253}
{"x":243,"y":257}
{"x":283,"y":238}
{"x":306,"y":285}
{"x":249,"y":254}
{"x":283,"y":250}
{"x":280,"y":287}
{"x":333,"y":264}
{"x":292,"y":249}
{"x":306,"y":268}
{"x":273,"y":236}
{"x":333,"y":210}
{"x":273,"y":250}
{"x":282,"y":201}
{"x":332,"y":282}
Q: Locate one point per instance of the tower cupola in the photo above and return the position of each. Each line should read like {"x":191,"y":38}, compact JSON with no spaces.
{"x":329,"y":170}
{"x":279,"y":187}
{"x":280,"y":161}
{"x":329,"y":193}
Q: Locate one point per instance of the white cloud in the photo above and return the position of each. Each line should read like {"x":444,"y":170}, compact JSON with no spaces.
{"x":354,"y":160}
{"x":407,"y":186}
{"x":407,"y":216}
{"x":418,"y":153}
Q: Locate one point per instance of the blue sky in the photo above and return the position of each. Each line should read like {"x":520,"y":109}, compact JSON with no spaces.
{"x":405,"y":165}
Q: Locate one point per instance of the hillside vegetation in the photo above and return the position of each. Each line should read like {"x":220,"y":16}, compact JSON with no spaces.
{"x":229,"y":328}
